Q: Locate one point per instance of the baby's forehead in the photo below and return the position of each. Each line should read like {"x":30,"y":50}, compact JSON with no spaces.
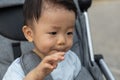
{"x":51,"y":6}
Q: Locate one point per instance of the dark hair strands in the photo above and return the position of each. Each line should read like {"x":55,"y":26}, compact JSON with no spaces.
{"x":33,"y":8}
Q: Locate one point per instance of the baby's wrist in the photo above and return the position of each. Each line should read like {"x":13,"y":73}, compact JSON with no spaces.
{"x":38,"y":74}
{"x":34,"y":75}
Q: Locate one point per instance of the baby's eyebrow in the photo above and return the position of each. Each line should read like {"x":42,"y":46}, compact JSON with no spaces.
{"x":59,"y":27}
{"x":56,"y":27}
{"x":71,"y":26}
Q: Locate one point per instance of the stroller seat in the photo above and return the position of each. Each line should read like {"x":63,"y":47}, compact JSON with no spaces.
{"x":13,"y":43}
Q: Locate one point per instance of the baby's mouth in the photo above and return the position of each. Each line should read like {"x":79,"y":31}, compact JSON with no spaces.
{"x":58,"y":50}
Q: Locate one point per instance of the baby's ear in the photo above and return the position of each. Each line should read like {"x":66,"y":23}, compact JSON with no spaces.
{"x":28,"y":33}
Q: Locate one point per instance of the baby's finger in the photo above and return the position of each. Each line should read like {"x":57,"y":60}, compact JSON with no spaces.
{"x":55,"y":57}
{"x":52,"y":60}
{"x":59,"y":56}
{"x":60,"y":53}
{"x":48,"y":68}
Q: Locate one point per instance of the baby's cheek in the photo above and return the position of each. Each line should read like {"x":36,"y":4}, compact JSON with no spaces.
{"x":70,"y":43}
{"x":48,"y":44}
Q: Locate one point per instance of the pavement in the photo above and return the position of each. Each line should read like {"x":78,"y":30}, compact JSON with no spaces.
{"x":104,"y":17}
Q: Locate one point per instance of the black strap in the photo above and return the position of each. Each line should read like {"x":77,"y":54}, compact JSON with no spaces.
{"x":29,"y":61}
{"x":16,"y":50}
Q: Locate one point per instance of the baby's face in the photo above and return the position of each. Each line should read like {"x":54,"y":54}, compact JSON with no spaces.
{"x":54,"y":31}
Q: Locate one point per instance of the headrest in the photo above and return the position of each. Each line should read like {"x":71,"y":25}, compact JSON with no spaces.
{"x":8,"y":3}
{"x":11,"y":22}
{"x":84,"y":4}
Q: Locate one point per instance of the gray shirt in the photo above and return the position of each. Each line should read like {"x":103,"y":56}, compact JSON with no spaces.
{"x":67,"y":69}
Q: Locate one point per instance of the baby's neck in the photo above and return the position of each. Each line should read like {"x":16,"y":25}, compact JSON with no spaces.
{"x":39,"y":54}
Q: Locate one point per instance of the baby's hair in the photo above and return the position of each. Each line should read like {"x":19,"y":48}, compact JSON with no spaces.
{"x":34,"y":8}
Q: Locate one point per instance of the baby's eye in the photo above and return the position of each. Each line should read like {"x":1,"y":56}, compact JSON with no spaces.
{"x":53,"y":33}
{"x":70,"y":33}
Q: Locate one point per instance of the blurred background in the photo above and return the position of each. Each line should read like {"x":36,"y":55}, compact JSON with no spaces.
{"x":104,"y":16}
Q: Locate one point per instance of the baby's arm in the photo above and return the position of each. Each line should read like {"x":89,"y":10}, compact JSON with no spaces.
{"x":47,"y":65}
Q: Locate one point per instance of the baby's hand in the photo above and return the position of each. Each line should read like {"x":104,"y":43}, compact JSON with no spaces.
{"x":50,"y":62}
{"x":47,"y":65}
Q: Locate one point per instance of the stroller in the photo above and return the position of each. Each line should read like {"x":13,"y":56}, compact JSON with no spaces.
{"x":13,"y":43}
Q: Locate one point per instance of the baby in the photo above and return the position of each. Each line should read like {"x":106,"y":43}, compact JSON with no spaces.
{"x":49,"y":25}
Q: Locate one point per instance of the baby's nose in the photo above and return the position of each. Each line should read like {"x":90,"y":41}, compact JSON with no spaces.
{"x":61,"y":40}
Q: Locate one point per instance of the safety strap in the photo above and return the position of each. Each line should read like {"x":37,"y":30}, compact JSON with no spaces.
{"x":16,"y":50}
{"x":29,"y":61}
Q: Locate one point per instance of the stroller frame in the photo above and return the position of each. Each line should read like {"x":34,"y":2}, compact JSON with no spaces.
{"x":103,"y":66}
{"x":84,"y":5}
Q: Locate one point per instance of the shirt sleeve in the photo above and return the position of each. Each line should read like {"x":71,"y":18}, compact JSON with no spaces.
{"x":14,"y":72}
